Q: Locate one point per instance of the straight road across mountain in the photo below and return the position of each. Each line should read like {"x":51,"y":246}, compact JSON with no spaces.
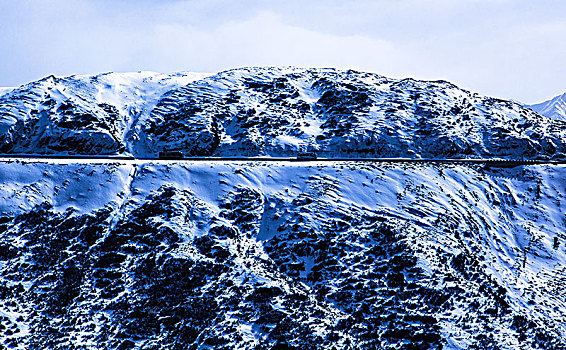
{"x":104,"y":159}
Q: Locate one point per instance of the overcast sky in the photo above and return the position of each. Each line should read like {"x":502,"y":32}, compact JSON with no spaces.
{"x":505,"y":48}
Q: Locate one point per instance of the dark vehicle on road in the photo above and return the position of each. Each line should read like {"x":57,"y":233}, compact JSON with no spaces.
{"x":306,"y":155}
{"x":165,"y":154}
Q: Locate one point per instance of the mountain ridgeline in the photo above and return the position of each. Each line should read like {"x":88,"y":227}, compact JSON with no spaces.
{"x":270,"y":112}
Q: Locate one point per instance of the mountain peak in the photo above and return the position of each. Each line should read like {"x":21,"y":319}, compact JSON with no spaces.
{"x":554,"y":108}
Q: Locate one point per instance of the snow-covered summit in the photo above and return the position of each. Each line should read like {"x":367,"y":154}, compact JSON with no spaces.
{"x":554,"y":108}
{"x":270,"y":111}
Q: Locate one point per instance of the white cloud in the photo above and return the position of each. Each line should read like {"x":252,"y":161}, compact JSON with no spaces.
{"x":265,"y":40}
{"x":506,"y":48}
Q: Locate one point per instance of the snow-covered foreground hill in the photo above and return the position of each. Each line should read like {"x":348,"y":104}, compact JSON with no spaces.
{"x":257,"y":255}
{"x":270,"y":111}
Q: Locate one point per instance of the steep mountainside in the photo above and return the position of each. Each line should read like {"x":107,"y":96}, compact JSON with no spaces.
{"x":282,"y":256}
{"x":270,"y":111}
{"x":80,"y":114}
{"x":553,"y":109}
{"x":217,"y":254}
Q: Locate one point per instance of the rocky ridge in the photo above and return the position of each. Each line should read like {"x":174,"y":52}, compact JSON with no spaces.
{"x":270,"y":112}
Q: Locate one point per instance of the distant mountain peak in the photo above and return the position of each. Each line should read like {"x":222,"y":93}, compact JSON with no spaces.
{"x":554,"y":108}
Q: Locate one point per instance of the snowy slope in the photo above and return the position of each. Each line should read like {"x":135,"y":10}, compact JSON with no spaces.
{"x":5,"y":90}
{"x":270,"y":111}
{"x":275,"y":111}
{"x":81,"y":114}
{"x":553,"y":109}
{"x":308,"y":255}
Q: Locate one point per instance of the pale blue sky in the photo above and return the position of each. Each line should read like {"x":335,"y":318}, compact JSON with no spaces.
{"x":505,"y":48}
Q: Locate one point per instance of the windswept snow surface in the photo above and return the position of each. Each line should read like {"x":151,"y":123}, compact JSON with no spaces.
{"x":255,"y":254}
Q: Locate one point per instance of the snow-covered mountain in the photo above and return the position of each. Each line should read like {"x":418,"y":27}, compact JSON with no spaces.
{"x":554,"y":108}
{"x":80,"y":114}
{"x":147,"y":254}
{"x":270,"y":111}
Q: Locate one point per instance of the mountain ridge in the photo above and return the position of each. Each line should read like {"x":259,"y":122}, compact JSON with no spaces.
{"x":270,"y":112}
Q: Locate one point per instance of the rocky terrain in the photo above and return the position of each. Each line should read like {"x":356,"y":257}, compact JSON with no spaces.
{"x":164,"y":254}
{"x":270,"y":112}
